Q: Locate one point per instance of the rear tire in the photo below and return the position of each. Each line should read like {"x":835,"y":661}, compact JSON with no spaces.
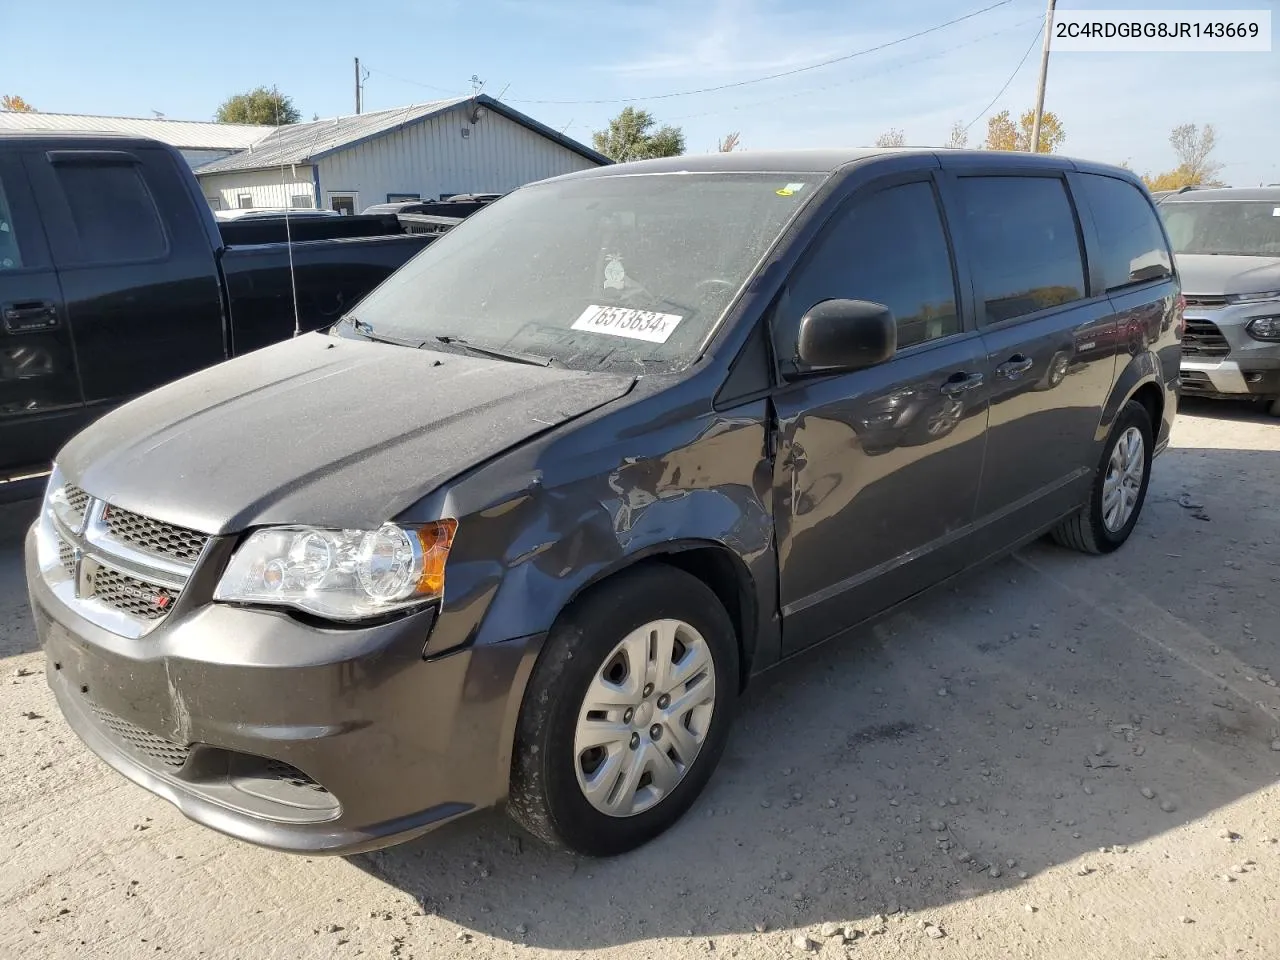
{"x":603,"y":677}
{"x":1099,"y":527}
{"x":1273,"y":407}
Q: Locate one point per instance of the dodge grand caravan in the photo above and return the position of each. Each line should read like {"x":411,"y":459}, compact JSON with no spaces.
{"x":523,"y":524}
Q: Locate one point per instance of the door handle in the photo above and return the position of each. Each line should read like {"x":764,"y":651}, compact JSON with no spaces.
{"x":29,"y":316}
{"x":1014,"y":367}
{"x":959,"y":383}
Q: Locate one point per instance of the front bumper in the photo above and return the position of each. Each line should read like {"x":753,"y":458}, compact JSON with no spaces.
{"x":1220,"y":359}
{"x":1230,"y":378}
{"x":285,"y":734}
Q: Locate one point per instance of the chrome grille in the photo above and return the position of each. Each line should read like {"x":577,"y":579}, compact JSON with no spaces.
{"x":138,"y":598}
{"x":1202,"y":338}
{"x":157,"y":748}
{"x":1200,"y":300}
{"x":116,"y":568}
{"x":77,"y":501}
{"x":67,"y":557}
{"x":154,"y":536}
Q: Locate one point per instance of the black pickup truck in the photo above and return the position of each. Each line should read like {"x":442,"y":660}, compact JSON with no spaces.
{"x":116,"y":278}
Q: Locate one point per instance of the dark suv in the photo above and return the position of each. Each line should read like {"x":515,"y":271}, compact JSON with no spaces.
{"x":523,"y":525}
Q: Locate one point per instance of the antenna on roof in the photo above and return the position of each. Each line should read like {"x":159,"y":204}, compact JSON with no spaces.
{"x":476,"y":85}
{"x":288,"y":235}
{"x":159,"y":115}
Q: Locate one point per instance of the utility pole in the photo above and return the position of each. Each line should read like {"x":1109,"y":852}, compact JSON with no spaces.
{"x":1044,"y":75}
{"x":358,"y":85}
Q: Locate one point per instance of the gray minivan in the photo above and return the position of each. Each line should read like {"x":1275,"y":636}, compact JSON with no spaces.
{"x":522,"y":525}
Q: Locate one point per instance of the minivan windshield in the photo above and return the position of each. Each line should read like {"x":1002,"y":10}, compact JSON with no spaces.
{"x":1245,"y":228}
{"x":600,"y":272}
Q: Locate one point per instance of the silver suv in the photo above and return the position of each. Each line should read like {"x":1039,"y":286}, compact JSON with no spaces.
{"x":1227,"y":244}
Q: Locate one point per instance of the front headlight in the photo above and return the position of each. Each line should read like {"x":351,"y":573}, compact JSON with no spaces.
{"x":1264,"y":328}
{"x":340,"y":574}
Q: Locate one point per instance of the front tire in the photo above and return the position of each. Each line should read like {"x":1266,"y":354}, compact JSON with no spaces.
{"x":1119,"y":489}
{"x":626,"y":714}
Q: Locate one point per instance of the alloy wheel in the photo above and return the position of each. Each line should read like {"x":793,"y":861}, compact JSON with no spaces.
{"x":1123,"y":481}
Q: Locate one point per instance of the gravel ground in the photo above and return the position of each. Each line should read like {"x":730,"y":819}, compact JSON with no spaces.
{"x":1059,"y":757}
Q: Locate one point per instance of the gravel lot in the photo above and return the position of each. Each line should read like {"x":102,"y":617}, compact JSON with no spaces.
{"x":1059,"y":757}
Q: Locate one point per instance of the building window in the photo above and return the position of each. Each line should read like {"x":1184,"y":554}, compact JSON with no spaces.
{"x":393,"y":197}
{"x":300,"y":201}
{"x":244,"y":201}
{"x":215,"y":203}
{"x":344,"y":203}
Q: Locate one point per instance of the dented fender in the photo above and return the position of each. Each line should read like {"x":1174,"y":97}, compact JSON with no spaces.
{"x":546,"y":522}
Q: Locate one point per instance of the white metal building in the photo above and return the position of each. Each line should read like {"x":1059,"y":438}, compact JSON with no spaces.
{"x":427,"y":150}
{"x":198,"y":141}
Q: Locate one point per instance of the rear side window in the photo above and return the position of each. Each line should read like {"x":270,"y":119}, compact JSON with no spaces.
{"x":114,"y":216}
{"x":1133,"y":247}
{"x":10,"y":255}
{"x":888,"y":248}
{"x":1025,"y":244}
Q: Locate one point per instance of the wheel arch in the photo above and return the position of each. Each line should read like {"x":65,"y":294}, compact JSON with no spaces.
{"x":717,"y":567}
{"x":1140,"y":380}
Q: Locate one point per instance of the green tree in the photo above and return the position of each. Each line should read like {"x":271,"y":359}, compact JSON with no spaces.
{"x":12,"y":103}
{"x":631,"y":136}
{"x":1004,"y":134}
{"x":262,"y":105}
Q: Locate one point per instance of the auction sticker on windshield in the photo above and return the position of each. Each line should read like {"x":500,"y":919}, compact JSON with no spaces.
{"x":627,"y":322}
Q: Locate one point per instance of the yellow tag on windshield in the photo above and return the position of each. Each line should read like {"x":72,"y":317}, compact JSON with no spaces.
{"x":789,"y":190}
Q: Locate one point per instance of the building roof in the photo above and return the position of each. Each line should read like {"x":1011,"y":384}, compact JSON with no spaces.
{"x":305,"y":142}
{"x":184,"y":134}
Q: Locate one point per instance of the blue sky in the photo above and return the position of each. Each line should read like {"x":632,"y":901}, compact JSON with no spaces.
{"x":182,"y":59}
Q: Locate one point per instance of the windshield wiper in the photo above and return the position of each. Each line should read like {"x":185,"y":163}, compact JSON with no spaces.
{"x":366,"y":330}
{"x":530,"y":358}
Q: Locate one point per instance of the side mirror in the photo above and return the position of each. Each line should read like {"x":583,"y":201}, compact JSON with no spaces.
{"x":846,"y":335}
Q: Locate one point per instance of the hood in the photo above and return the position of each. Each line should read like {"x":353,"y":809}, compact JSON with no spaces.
{"x":319,"y":430}
{"x":1207,"y":275}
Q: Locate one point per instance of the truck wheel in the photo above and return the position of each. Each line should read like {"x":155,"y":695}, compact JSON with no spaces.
{"x":626,"y":713}
{"x":1273,"y":407}
{"x":1119,"y":488}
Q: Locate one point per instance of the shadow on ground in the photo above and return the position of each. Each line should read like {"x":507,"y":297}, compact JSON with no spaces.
{"x":1239,"y":411}
{"x":1021,"y":718}
{"x":17,"y":635}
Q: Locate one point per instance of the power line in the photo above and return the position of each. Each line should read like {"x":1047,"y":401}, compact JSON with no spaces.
{"x":415,"y":83}
{"x":784,"y":73}
{"x":900,"y":65}
{"x":1030,"y":47}
{"x":724,"y":86}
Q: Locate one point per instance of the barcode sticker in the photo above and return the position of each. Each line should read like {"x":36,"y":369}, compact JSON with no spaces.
{"x":627,"y":322}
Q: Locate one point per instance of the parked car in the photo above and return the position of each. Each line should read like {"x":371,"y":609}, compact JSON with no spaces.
{"x":1227,"y":244}
{"x":271,"y":213}
{"x":115,"y":278}
{"x":1161,"y":195}
{"x":525,"y":523}
{"x":458,"y":205}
